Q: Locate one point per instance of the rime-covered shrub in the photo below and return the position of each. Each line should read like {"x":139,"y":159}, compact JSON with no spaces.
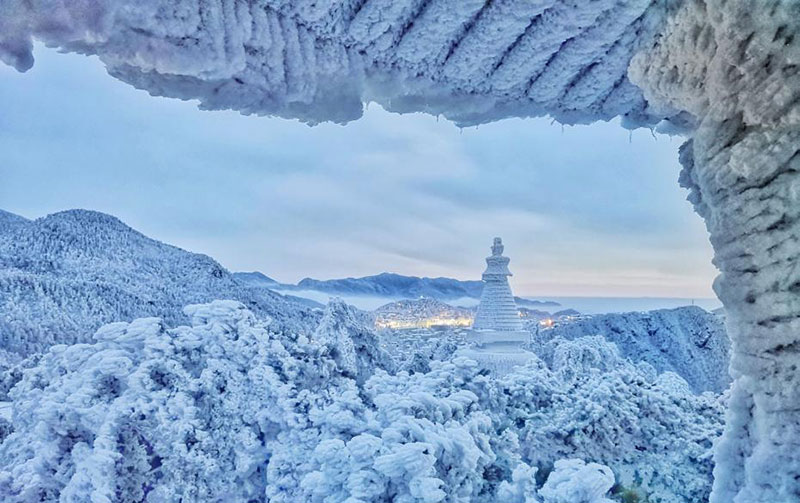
{"x":344,"y":334}
{"x":574,"y":481}
{"x":227,"y":410}
{"x":423,"y":438}
{"x":585,"y":401}
{"x":170,"y":414}
{"x":687,"y":340}
{"x":230,"y":409}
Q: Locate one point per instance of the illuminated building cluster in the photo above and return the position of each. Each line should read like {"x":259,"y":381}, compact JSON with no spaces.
{"x":421,"y":313}
{"x":436,"y":321}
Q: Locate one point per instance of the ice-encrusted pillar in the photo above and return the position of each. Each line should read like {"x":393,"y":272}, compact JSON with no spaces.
{"x":746,"y":185}
{"x":734,"y":67}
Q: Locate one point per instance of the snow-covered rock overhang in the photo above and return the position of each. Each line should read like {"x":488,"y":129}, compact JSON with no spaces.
{"x":472,"y":61}
{"x":724,"y":72}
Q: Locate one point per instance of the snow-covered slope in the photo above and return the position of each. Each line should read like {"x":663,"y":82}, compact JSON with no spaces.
{"x":9,"y":221}
{"x":64,"y":275}
{"x":255,"y":279}
{"x":688,"y":341}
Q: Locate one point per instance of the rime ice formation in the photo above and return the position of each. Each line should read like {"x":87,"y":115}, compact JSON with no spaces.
{"x":497,"y":310}
{"x":344,"y":332}
{"x":723,"y":71}
{"x":735,"y":67}
{"x":688,"y":341}
{"x":231,"y":408}
{"x":471,"y":60}
{"x":561,"y":488}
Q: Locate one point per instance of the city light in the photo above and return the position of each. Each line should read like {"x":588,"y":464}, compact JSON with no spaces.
{"x":423,"y":323}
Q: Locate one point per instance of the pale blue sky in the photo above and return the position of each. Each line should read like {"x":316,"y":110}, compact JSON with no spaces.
{"x":590,"y":210}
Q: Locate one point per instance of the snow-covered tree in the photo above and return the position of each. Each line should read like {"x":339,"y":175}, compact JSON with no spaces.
{"x":585,"y":401}
{"x":344,"y":332}
{"x":687,"y":340}
{"x":235,"y":408}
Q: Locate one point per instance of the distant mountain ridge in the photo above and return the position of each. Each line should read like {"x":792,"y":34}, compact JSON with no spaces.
{"x":259,"y":281}
{"x":390,"y":284}
{"x":64,"y":275}
{"x":398,"y":286}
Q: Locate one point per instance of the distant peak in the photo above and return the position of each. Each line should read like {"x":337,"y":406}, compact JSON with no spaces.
{"x":7,"y":216}
{"x":87,"y":219}
{"x":387,"y":275}
{"x":255,"y":278}
{"x":84,"y":215}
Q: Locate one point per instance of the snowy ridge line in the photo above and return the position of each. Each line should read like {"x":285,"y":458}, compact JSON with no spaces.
{"x":392,"y":286}
{"x":322,"y":61}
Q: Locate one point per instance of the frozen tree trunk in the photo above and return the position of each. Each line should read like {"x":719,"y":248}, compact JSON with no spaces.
{"x":733,"y":67}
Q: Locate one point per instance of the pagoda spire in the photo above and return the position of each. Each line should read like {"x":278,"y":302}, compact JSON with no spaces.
{"x":497,"y":310}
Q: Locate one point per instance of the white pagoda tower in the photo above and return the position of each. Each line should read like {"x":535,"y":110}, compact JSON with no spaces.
{"x":497,"y":310}
{"x":497,"y":333}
